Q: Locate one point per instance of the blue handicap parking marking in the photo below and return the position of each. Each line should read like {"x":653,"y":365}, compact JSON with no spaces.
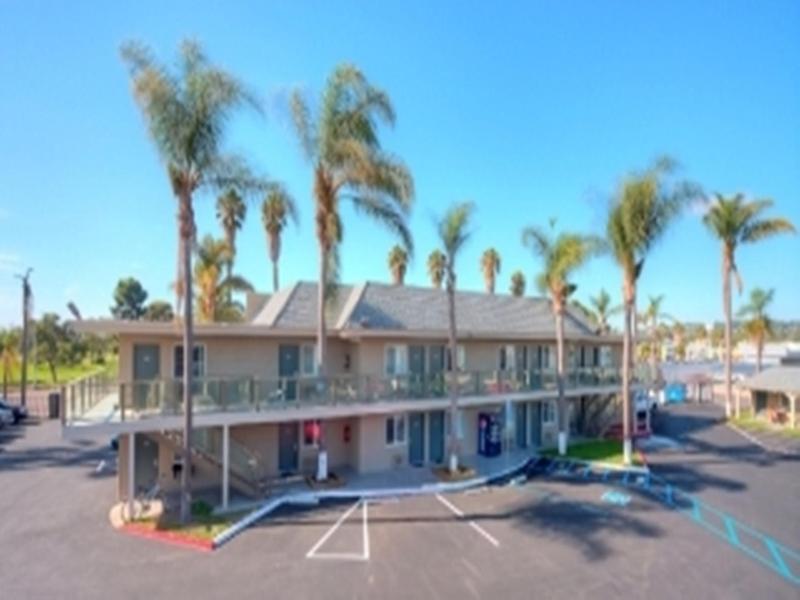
{"x":616,"y":498}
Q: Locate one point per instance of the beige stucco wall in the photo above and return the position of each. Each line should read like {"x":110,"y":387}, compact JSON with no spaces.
{"x":242,"y":356}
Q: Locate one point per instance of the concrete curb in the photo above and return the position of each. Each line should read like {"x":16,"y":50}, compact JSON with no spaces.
{"x":754,"y":440}
{"x":312,"y":498}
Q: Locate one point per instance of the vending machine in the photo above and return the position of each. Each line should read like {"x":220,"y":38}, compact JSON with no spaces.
{"x":490,"y":434}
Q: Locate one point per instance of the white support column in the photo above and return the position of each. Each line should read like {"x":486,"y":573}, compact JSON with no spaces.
{"x":793,"y":411}
{"x":131,"y":473}
{"x":225,"y":465}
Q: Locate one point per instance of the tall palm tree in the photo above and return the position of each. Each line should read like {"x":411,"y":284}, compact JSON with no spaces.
{"x":187,"y":113}
{"x":9,"y":355}
{"x":231,"y":211}
{"x":277,"y":209}
{"x":734,"y":221}
{"x":758,"y":326}
{"x":490,"y":267}
{"x":679,"y":340}
{"x":398,"y":264}
{"x":561,"y":256}
{"x":437,"y":262}
{"x":341,"y":142}
{"x":602,"y":309}
{"x":651,"y":318}
{"x":645,"y":205}
{"x":453,"y":230}
{"x":214,"y":298}
{"x":517,"y":284}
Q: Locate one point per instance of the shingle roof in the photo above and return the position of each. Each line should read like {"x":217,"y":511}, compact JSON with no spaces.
{"x":383,"y":307}
{"x":776,"y":379}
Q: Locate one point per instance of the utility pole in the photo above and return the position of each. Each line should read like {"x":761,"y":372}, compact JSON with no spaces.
{"x":26,"y":303}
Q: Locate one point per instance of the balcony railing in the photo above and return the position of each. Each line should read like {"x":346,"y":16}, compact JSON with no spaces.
{"x":103,"y":400}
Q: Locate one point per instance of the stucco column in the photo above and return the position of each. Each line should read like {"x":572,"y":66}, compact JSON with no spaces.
{"x":738,"y":402}
{"x":225,"y":465}
{"x":793,"y":411}
{"x":131,"y":473}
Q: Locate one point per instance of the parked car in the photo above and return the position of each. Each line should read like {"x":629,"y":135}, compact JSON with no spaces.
{"x":19,"y":413}
{"x":6,"y":417}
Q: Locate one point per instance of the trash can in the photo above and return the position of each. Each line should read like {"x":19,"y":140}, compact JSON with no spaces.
{"x":53,"y":405}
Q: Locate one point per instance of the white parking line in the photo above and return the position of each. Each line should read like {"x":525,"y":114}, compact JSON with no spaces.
{"x":364,"y":556}
{"x":460,"y":514}
{"x":100,"y":466}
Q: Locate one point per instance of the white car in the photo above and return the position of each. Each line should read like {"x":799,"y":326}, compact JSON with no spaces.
{"x":6,"y":417}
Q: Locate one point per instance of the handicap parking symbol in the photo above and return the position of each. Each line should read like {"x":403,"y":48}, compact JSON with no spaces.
{"x":616,"y":498}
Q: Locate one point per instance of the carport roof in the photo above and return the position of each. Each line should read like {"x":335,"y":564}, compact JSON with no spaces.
{"x":776,"y":379}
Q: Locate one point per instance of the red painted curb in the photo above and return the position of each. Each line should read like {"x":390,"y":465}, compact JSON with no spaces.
{"x":642,"y":458}
{"x":170,"y":537}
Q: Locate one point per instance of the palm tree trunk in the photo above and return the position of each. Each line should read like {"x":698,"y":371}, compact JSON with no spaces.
{"x":453,"y":391}
{"x":274,"y":254}
{"x":759,"y":355}
{"x":563,"y":425}
{"x":187,"y":236}
{"x":727,"y":265}
{"x":627,"y":342}
{"x":322,"y":455}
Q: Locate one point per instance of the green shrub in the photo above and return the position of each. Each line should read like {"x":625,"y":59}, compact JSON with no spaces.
{"x":202,"y":509}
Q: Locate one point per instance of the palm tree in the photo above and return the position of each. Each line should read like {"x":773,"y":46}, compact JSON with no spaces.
{"x":517,"y":284}
{"x":651,"y":317}
{"x":602,"y":309}
{"x":214,"y":298}
{"x":276,"y":211}
{"x":646,"y":204}
{"x":679,"y":340}
{"x":490,"y":267}
{"x":187,"y":113}
{"x":342,"y":144}
{"x":231,"y":212}
{"x":758,"y":326}
{"x":9,"y":355}
{"x":735,"y":221}
{"x":398,"y":263}
{"x":453,"y":234}
{"x":561,"y":256}
{"x":437,"y":262}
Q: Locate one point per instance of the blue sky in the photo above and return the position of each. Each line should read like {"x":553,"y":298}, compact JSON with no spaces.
{"x":530,"y":109}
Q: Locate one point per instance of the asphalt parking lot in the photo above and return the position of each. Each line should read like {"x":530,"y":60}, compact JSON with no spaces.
{"x":550,"y":537}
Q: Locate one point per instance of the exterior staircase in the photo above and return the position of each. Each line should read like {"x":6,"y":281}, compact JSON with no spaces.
{"x":245,"y":468}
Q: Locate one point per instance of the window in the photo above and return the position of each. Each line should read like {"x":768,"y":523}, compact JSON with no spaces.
{"x":461,"y":357}
{"x":395,"y":360}
{"x":507,"y":358}
{"x":549,"y":412}
{"x":311,"y":433}
{"x":308,"y":364}
{"x":596,"y":356}
{"x":395,"y":430}
{"x":606,"y":357}
{"x":198,"y":361}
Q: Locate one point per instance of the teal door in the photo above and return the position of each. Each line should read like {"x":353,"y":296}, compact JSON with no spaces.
{"x":146,"y":369}
{"x":521,"y":424}
{"x":288,"y":369}
{"x":416,"y":439}
{"x":536,"y":424}
{"x":288,"y":435}
{"x":436,"y":436}
{"x":416,"y":367}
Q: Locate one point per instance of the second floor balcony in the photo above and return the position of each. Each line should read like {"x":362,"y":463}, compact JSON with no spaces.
{"x":96,"y":400}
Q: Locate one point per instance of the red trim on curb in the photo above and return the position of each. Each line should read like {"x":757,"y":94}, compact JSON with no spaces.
{"x":170,"y":537}
{"x":642,"y":458}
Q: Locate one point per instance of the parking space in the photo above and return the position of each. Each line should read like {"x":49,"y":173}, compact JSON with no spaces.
{"x":552,"y":536}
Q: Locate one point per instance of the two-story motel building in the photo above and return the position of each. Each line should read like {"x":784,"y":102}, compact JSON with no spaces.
{"x":259,"y":408}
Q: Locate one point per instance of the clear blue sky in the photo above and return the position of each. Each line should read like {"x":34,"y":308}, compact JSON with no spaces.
{"x":531,"y":109}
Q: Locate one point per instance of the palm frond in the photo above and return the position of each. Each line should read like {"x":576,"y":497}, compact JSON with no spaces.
{"x":387,"y":214}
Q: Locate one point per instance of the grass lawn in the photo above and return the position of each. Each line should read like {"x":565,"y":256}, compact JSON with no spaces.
{"x":205,"y":527}
{"x":39,"y":373}
{"x":607,"y":451}
{"x":749,"y":422}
